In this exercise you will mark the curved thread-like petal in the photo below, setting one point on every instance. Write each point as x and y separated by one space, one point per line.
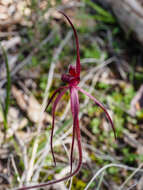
77 45
53 120
75 109
54 94
101 106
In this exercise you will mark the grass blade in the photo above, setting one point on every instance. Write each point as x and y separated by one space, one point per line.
103 15
8 88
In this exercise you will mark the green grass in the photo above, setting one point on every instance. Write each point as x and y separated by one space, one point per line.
6 105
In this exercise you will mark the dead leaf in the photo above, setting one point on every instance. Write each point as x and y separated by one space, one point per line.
30 105
140 184
20 98
130 138
137 102
15 121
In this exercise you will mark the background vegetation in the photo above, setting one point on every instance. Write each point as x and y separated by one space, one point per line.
39 46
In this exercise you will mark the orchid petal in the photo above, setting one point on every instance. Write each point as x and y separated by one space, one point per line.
54 94
72 147
74 101
101 106
77 128
75 111
72 70
53 122
77 45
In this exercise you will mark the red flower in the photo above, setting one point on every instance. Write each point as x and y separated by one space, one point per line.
72 79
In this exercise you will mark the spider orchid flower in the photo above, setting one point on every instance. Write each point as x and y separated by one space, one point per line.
72 79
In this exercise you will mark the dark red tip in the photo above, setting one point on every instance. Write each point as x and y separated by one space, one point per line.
77 44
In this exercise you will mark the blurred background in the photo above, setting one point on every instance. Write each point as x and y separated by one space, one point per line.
38 46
